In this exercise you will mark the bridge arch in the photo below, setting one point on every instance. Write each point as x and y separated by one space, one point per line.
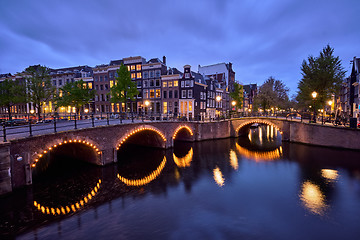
184 133
158 141
61 142
244 127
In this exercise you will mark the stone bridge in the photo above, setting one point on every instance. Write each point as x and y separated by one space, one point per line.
99 145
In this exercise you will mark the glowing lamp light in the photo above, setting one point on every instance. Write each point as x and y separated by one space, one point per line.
233 103
314 94
330 102
218 98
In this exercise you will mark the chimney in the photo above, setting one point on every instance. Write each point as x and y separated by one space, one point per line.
164 60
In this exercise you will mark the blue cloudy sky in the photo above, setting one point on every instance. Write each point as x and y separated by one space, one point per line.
261 38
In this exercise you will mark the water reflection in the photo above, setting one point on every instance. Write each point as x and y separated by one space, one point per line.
330 174
184 161
234 160
312 198
218 177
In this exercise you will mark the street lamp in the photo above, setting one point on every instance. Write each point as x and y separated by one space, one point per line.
147 103
330 104
314 95
233 103
218 99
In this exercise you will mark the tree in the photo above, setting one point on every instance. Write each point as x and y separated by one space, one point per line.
272 93
39 87
238 95
124 88
324 75
11 93
75 94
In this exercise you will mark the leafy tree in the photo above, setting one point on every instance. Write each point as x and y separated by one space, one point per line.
124 88
238 95
75 94
11 93
39 87
272 93
323 74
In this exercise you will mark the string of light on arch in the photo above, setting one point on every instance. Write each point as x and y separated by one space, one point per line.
62 210
61 143
260 122
181 127
139 130
144 180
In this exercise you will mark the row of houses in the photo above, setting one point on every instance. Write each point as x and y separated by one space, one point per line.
162 89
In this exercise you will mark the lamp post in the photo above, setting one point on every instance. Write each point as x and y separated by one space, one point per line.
314 95
218 99
233 103
147 103
330 104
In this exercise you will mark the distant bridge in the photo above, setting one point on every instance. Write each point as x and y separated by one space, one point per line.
99 145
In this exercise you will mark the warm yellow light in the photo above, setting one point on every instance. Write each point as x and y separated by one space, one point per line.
218 177
330 102
329 174
184 161
314 94
86 110
147 103
312 198
234 160
233 103
32 111
218 98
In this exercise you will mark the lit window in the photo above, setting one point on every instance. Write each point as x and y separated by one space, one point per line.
132 67
146 93
111 84
152 93
128 67
133 75
164 107
138 67
164 84
158 93
84 85
60 93
175 83
190 106
90 85
138 75
170 84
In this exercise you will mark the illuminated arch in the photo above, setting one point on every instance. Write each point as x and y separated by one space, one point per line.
259 121
139 129
52 147
144 180
184 161
182 127
260 156
73 207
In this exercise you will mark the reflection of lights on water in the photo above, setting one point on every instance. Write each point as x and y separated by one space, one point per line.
260 156
249 136
330 174
268 132
218 177
70 207
145 180
233 160
260 135
184 161
312 198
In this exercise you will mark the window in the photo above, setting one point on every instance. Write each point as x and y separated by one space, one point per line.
191 83
164 94
157 82
189 93
96 87
128 67
96 78
182 83
170 94
164 84
146 93
90 85
187 75
187 83
176 94
165 107
106 87
151 74
111 76
139 84
96 98
183 94
190 106
145 83
157 73
116 74
158 93
101 87
152 93
54 82
132 68
151 83
133 75
101 78
60 82
138 75
138 67
111 84
146 74
67 80
170 84
175 83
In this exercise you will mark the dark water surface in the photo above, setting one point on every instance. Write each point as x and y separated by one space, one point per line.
248 188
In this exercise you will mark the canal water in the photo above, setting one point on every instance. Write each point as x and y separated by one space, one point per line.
253 187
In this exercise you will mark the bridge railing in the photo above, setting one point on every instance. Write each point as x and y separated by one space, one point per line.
53 124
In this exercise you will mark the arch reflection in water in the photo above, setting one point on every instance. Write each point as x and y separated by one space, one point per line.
145 180
71 207
185 161
330 174
260 155
218 177
312 198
